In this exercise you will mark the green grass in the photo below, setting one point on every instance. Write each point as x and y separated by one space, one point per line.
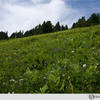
61 62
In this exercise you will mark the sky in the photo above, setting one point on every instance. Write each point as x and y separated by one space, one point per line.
23 15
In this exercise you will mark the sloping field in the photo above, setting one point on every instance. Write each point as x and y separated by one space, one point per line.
62 62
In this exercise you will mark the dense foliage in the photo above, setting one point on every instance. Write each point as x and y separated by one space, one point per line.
46 27
94 19
60 62
3 35
17 35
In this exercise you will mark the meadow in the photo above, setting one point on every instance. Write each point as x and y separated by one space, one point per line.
61 62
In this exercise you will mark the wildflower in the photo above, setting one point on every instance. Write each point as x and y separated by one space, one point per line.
73 51
12 80
53 64
21 80
34 65
44 77
63 75
84 65
98 65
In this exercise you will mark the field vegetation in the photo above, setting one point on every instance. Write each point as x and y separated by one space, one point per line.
61 62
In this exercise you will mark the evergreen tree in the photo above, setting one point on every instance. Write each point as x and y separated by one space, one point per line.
74 25
62 27
98 14
29 32
57 27
47 27
3 35
81 22
17 35
44 27
38 30
66 27
93 20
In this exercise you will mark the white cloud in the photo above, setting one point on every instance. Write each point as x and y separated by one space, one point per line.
38 1
26 17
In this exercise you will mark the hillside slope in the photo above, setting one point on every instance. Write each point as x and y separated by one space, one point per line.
62 62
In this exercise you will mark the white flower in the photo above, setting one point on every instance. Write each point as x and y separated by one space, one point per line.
44 77
12 80
35 66
84 65
4 83
73 51
21 80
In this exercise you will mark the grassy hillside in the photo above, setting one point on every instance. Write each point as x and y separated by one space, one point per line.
62 62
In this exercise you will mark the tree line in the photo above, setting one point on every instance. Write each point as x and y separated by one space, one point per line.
48 27
94 19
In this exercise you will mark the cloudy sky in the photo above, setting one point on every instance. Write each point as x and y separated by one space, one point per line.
18 15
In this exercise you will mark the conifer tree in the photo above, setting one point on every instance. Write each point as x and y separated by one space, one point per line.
57 27
3 35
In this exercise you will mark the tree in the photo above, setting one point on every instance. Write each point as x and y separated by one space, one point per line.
17 35
27 33
44 27
81 23
74 25
57 27
93 20
62 27
66 27
3 35
98 14
47 27
38 30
